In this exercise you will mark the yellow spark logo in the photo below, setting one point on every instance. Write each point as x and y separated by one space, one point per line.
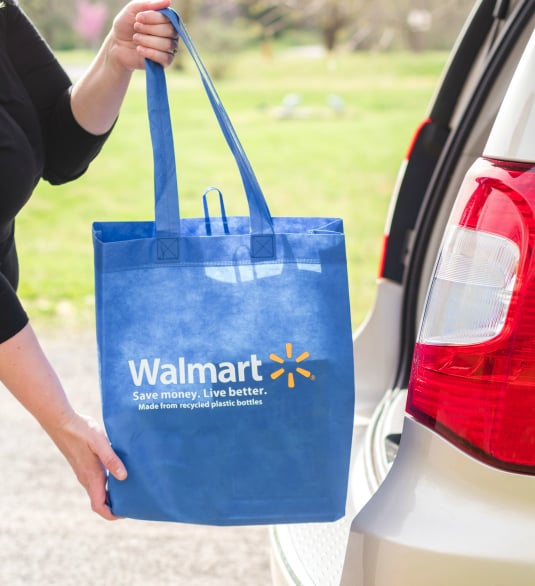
291 375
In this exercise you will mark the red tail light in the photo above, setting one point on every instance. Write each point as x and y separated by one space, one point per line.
473 377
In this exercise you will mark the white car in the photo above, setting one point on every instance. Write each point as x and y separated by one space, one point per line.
442 482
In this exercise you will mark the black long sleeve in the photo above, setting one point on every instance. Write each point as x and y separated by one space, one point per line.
39 138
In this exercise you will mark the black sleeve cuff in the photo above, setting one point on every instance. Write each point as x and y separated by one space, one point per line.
69 147
13 318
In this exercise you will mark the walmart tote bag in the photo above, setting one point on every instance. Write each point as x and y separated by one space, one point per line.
225 350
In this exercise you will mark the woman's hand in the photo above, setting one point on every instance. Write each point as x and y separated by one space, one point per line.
140 32
86 448
27 373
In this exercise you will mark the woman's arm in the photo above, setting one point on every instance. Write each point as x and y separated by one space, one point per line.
26 372
138 32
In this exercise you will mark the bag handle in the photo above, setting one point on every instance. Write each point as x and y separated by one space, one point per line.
165 177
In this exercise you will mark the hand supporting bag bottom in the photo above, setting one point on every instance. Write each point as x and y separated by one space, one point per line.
225 351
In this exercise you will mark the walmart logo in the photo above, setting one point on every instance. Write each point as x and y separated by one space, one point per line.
290 373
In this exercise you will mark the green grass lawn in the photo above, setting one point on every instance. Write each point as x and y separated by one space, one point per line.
318 162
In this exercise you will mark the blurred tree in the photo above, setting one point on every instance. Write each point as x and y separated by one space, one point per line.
218 31
332 17
57 20
377 24
184 8
272 16
90 21
414 24
53 18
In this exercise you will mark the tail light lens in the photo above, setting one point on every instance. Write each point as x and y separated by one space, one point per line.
473 375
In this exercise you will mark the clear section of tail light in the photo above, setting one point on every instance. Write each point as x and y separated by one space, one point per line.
471 289
473 376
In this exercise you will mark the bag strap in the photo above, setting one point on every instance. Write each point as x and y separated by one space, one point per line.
165 177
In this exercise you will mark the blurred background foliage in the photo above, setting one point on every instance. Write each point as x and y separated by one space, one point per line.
326 95
356 25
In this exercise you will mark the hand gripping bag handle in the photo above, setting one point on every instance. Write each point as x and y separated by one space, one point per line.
165 178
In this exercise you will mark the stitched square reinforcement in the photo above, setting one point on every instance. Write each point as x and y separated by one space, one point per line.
167 248
262 246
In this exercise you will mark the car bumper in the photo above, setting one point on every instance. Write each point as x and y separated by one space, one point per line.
442 517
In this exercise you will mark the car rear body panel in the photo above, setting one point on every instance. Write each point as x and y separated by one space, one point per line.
442 518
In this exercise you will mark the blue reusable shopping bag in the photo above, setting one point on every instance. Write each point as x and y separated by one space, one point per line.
225 351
